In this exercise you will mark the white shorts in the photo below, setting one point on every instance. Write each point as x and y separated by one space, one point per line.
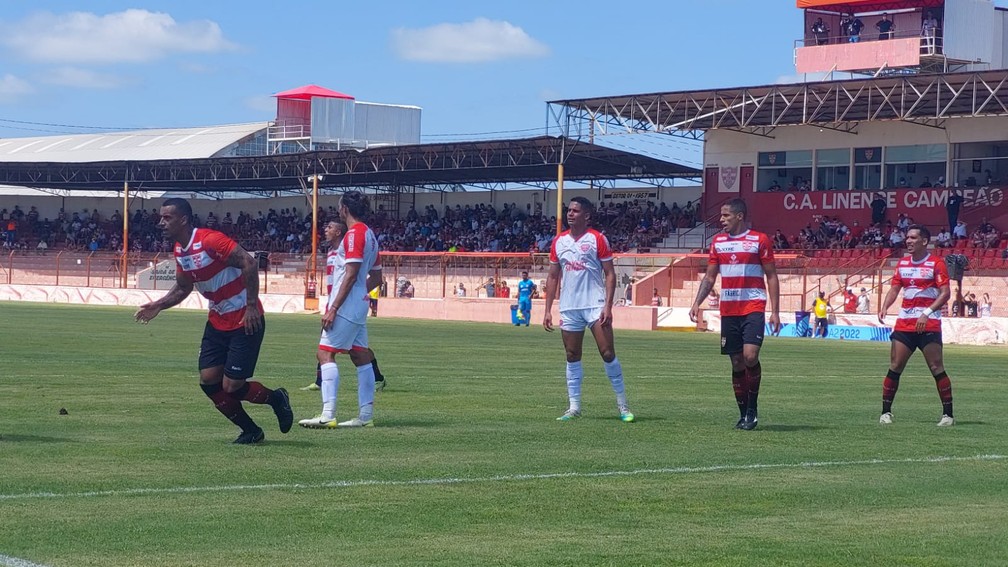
344 336
577 320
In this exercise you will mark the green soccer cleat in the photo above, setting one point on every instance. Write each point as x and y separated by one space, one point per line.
625 415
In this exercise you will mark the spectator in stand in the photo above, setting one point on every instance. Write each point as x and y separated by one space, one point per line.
970 305
655 298
952 206
878 208
780 241
929 31
863 303
884 27
943 239
959 232
985 306
896 238
850 302
926 183
460 291
503 291
490 288
821 33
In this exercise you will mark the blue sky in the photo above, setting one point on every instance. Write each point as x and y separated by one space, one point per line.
478 69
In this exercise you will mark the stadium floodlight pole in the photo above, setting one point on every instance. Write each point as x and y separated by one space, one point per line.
314 229
125 256
559 208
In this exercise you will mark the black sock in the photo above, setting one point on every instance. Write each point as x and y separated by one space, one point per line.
377 373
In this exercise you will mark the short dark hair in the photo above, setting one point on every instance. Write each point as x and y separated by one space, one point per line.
181 206
924 232
738 206
586 205
357 203
339 224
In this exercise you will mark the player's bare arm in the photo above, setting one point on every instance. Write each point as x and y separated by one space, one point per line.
890 298
944 293
349 277
552 281
609 275
706 285
374 278
773 293
177 294
241 259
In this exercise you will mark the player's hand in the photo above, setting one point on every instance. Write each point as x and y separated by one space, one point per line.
921 323
694 312
881 317
775 325
146 312
328 318
252 320
548 322
605 318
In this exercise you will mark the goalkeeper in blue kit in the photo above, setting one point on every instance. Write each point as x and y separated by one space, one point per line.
526 288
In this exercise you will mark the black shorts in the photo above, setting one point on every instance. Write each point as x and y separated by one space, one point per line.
915 340
234 350
742 330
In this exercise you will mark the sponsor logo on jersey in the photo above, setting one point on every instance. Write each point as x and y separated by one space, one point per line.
751 237
197 245
575 266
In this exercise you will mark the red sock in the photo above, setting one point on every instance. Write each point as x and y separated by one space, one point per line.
753 376
889 386
253 392
944 384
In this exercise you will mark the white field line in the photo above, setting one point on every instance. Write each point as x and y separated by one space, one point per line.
491 479
8 561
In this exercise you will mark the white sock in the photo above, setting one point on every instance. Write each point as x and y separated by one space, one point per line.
614 370
365 391
574 375
330 383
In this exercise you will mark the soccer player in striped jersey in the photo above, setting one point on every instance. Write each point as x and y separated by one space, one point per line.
924 280
228 277
581 258
744 258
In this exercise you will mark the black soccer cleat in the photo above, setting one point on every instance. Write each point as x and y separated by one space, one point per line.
250 437
282 408
749 423
738 424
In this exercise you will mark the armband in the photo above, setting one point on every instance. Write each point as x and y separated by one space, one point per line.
928 311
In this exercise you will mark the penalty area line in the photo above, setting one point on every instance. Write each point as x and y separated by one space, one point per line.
494 478
8 561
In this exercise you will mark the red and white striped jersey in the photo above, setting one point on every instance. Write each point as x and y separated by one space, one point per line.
358 245
921 282
740 260
204 259
582 285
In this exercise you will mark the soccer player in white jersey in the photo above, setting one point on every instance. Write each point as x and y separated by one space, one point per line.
924 280
744 258
228 277
353 267
581 258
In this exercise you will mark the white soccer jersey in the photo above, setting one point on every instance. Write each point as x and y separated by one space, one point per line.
358 245
582 285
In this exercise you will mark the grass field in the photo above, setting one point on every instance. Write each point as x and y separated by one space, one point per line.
467 465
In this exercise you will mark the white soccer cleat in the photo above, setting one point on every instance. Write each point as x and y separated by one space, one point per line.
356 422
885 419
318 422
946 421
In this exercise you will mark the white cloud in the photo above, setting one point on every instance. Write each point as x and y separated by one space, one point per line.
82 78
132 36
472 42
13 88
261 103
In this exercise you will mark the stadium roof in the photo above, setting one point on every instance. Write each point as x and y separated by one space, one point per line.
928 99
308 91
154 144
528 160
858 6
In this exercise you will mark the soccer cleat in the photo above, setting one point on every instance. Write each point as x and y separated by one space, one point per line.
282 408
625 415
885 419
569 415
250 437
379 385
313 387
356 422
738 424
946 421
318 422
750 421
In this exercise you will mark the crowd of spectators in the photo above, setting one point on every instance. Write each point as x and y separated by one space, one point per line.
481 228
832 233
